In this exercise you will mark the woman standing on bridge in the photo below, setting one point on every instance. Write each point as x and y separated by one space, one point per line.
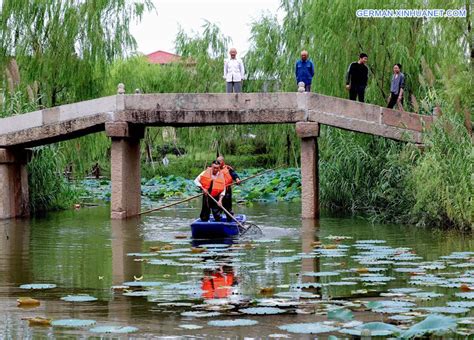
396 88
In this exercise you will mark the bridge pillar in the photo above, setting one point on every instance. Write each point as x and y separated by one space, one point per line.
309 132
125 168
14 199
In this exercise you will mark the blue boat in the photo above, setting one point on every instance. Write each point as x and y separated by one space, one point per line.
212 229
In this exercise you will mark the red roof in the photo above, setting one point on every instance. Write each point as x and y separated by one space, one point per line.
162 57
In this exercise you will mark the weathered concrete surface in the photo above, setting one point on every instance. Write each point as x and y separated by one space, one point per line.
125 171
124 130
309 132
14 200
406 120
58 123
211 109
185 109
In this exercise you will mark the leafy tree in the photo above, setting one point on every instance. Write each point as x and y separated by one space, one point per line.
63 48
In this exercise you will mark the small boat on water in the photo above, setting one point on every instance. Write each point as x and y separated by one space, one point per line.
212 229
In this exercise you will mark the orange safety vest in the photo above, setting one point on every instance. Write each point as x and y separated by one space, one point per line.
219 183
226 172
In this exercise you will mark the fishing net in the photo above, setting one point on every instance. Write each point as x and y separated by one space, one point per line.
251 230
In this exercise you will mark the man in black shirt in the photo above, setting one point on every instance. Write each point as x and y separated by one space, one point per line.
356 78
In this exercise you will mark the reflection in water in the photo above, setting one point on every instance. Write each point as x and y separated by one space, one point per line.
125 239
219 280
309 237
14 249
309 231
218 283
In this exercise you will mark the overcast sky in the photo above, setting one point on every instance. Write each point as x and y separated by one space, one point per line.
158 29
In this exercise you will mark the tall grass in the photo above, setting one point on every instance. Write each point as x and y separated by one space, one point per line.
442 180
49 190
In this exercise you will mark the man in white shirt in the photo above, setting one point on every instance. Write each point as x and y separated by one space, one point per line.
234 72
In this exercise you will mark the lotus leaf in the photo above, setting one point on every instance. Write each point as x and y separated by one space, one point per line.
308 328
232 323
72 323
433 324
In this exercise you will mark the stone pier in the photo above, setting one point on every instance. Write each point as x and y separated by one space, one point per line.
309 132
14 201
125 168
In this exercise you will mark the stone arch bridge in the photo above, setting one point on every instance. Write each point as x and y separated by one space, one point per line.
123 117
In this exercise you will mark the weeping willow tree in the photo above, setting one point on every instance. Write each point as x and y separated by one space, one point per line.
363 173
54 52
64 48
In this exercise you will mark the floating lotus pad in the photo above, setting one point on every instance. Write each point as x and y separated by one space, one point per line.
409 270
232 323
190 326
175 304
463 265
340 314
376 278
446 310
296 295
143 284
163 262
372 329
371 241
200 314
389 304
319 274
462 304
113 329
308 328
404 290
401 318
341 283
433 324
277 303
140 293
79 298
72 323
337 237
262 310
466 295
142 254
214 246
426 295
38 286
306 285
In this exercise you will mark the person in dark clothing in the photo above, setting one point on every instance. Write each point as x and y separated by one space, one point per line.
304 71
396 88
357 77
229 176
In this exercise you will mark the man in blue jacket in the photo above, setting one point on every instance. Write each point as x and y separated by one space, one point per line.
304 71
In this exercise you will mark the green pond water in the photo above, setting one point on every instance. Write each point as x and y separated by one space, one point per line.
299 269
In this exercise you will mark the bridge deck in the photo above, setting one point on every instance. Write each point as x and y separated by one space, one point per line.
184 109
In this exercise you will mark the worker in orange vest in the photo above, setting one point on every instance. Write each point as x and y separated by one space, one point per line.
230 176
212 182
